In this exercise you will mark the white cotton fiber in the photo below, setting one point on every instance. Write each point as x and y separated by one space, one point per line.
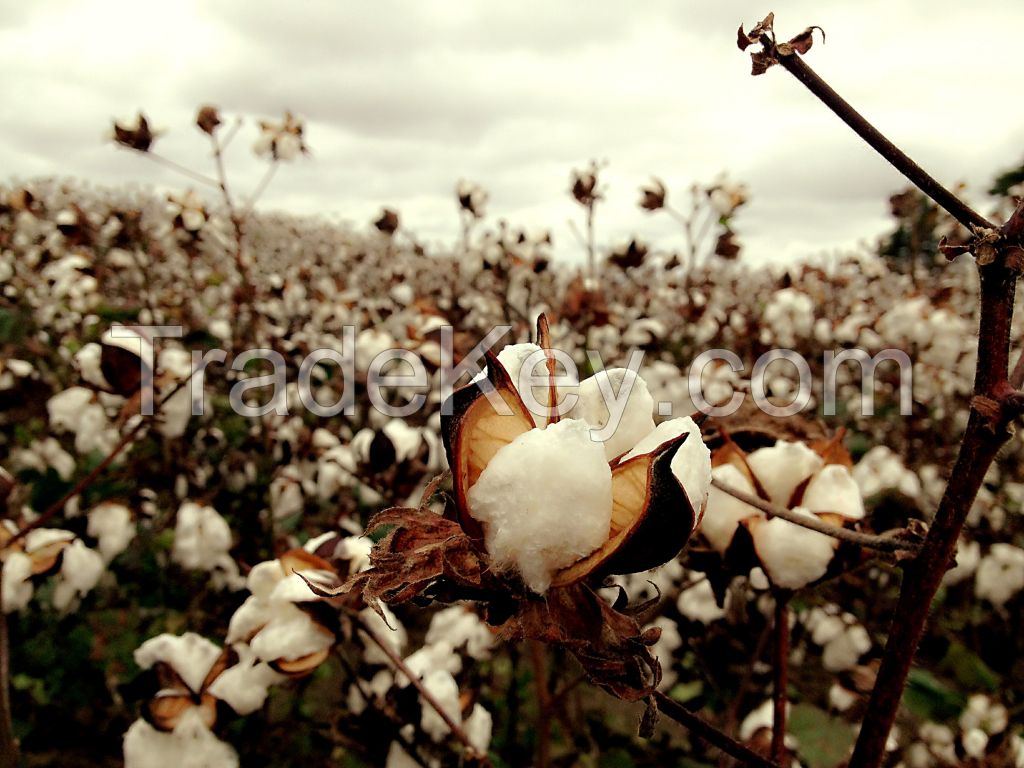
618 407
545 501
692 463
792 556
833 490
725 511
782 467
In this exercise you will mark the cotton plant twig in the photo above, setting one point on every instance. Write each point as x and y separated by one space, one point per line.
701 728
867 540
920 178
996 403
427 696
780 674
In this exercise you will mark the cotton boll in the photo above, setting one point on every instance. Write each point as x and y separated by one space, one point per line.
65 409
724 511
600 405
244 685
290 633
692 463
388 631
1000 574
434 656
782 467
844 651
834 490
840 699
201 537
445 691
975 741
190 744
190 655
792 556
80 571
698 603
17 587
461 627
478 727
545 501
112 525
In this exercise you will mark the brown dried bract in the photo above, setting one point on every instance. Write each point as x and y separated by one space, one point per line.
764 32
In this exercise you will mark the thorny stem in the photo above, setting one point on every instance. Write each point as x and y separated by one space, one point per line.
699 727
956 207
994 404
780 672
426 695
879 543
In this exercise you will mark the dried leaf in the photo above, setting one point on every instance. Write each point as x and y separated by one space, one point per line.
610 646
761 61
802 43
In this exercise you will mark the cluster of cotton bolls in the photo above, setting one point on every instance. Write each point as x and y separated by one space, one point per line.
980 736
76 566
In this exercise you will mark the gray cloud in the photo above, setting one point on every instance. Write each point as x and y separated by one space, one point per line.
403 99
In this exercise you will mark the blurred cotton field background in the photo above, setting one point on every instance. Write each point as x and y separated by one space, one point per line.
399 171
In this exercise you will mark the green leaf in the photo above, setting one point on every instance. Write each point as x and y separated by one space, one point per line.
968 669
825 741
930 699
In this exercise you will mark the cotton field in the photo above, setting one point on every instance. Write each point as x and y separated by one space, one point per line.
196 576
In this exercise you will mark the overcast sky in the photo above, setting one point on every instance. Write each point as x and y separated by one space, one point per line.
402 99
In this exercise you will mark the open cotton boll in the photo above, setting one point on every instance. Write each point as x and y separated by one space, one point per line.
17 588
446 693
459 626
80 571
190 655
692 463
111 524
792 556
478 727
780 468
290 634
244 685
724 511
618 407
201 537
833 489
388 630
190 744
545 501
